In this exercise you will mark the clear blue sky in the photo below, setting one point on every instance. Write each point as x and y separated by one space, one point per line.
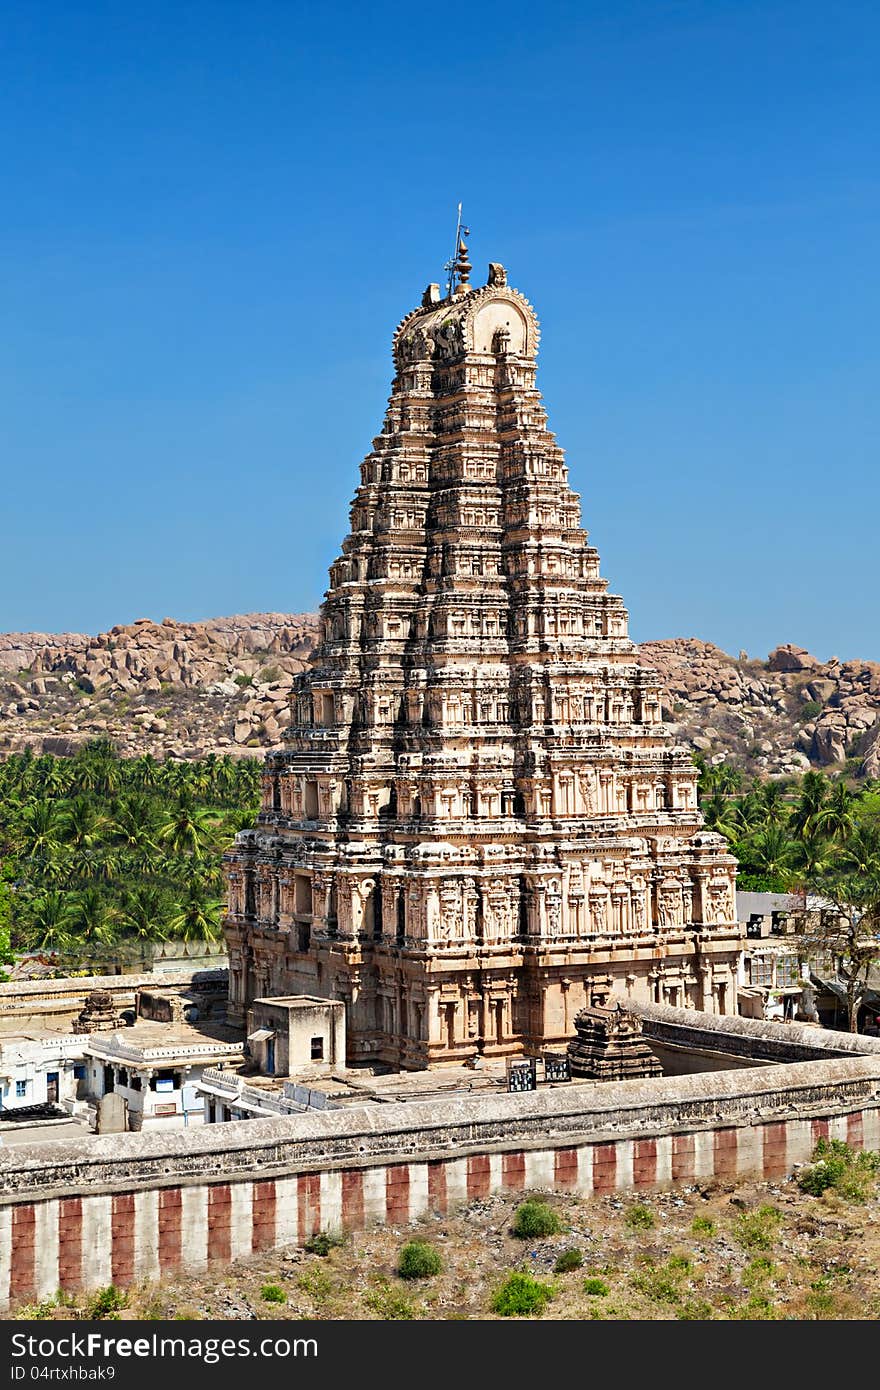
214 214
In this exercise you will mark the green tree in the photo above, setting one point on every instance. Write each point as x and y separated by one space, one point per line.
187 828
843 921
770 852
47 922
837 815
196 917
813 795
92 918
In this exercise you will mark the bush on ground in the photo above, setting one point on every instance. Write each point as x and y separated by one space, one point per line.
850 1173
521 1296
535 1219
418 1260
567 1261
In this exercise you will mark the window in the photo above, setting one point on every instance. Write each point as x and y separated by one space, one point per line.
20 1089
787 972
317 1049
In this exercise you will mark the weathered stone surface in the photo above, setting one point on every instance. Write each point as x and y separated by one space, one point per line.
791 658
610 1046
451 1127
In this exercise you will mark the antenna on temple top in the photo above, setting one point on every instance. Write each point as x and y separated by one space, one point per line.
458 268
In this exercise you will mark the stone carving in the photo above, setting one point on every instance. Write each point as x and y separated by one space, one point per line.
669 907
610 1047
720 906
469 736
554 914
98 1014
587 791
598 912
450 911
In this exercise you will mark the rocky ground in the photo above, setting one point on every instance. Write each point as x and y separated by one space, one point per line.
185 689
756 1251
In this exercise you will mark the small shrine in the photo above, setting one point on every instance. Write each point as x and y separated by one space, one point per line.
610 1047
98 1014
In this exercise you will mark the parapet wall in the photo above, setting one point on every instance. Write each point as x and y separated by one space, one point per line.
755 1040
56 1003
137 1206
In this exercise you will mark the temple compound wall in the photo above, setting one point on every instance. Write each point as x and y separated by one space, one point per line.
479 822
57 1003
137 1206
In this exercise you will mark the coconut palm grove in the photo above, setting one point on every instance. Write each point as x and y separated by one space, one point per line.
103 855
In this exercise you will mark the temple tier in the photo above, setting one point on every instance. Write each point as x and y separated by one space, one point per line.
479 823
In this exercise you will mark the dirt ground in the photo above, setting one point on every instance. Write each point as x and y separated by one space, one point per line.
756 1251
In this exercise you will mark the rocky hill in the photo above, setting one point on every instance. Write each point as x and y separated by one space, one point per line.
171 689
180 690
783 715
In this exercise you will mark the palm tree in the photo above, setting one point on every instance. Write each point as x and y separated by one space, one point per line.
226 776
187 828
96 767
81 824
837 816
772 796
197 917
145 772
751 810
47 923
91 918
38 830
728 778
720 814
770 852
811 856
144 912
859 854
134 821
57 777
814 790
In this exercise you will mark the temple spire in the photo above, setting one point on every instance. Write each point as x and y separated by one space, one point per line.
462 265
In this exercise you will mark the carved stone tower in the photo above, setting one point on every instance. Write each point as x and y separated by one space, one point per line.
479 823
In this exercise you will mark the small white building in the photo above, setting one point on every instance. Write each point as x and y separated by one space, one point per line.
297 1033
156 1069
42 1069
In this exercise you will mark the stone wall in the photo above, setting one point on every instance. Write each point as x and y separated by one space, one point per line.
140 1205
54 1004
687 1040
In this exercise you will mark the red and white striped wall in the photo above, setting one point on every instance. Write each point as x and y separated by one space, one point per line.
94 1239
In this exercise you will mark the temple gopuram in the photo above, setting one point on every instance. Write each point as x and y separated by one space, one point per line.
479 824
